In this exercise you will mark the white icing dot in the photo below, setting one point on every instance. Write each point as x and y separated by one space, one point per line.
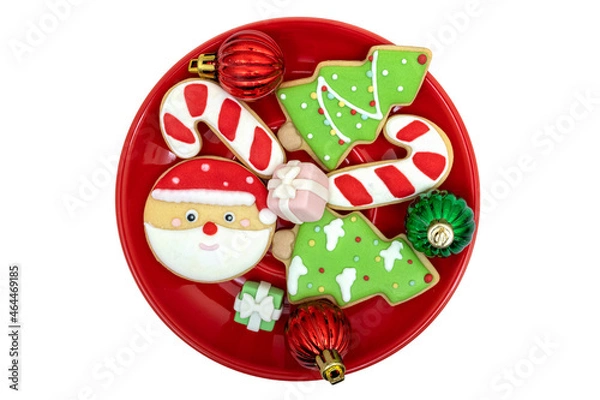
358 126
385 72
400 88
175 180
334 76
339 114
404 61
205 167
303 105
249 180
354 88
326 158
283 96
310 136
225 183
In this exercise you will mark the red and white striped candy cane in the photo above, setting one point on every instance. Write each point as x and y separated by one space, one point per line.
195 100
374 184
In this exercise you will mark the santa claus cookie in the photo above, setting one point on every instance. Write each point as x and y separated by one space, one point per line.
206 219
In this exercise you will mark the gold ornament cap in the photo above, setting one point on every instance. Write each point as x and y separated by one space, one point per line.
204 66
440 234
331 366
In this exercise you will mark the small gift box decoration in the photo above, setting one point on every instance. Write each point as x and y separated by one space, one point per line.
298 192
258 306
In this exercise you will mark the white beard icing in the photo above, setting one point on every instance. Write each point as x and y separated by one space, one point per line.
180 251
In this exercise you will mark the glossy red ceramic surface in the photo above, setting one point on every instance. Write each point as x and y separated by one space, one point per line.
202 314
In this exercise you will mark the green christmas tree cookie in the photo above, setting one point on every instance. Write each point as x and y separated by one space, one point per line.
346 259
345 102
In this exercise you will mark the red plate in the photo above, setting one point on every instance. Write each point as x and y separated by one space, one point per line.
202 314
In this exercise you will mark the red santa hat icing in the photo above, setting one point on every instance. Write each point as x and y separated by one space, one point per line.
214 181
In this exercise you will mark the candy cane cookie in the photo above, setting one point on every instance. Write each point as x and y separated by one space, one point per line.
198 100
379 183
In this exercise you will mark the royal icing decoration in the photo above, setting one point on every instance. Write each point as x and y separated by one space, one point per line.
207 220
258 306
298 192
374 184
347 259
345 103
198 100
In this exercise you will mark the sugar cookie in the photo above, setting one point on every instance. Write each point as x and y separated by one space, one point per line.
206 219
345 103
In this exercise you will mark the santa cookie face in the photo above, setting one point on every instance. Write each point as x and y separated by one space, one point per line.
206 220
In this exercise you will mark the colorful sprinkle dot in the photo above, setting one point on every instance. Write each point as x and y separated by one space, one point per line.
303 106
356 258
309 285
370 74
321 270
317 229
364 117
353 112
327 122
332 132
321 111
400 88
357 239
330 96
409 261
323 88
366 277
395 285
321 289
428 278
341 142
371 58
313 95
422 59
375 242
385 72
411 283
372 103
352 219
341 104
370 89
377 259
311 243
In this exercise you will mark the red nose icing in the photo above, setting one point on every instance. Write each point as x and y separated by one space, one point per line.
209 228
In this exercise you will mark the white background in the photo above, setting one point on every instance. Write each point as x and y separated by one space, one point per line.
526 80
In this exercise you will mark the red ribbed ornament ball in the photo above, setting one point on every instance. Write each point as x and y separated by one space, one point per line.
248 65
318 336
